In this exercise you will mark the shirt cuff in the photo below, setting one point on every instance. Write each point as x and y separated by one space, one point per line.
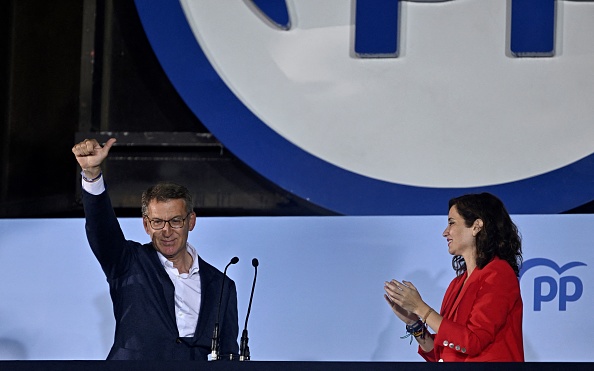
95 188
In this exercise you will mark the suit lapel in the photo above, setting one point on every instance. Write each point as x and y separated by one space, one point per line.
209 299
165 286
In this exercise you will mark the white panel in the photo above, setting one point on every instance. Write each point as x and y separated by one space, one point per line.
319 290
453 101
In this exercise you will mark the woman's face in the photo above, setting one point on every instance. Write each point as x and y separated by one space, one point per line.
461 239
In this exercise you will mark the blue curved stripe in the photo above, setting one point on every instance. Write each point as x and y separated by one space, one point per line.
309 177
537 262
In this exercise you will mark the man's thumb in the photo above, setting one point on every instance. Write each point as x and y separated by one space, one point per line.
109 143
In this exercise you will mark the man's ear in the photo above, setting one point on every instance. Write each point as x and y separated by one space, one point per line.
192 222
145 224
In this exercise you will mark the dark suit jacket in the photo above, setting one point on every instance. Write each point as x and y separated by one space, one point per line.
482 319
143 295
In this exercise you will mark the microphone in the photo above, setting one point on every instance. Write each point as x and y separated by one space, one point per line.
244 350
215 334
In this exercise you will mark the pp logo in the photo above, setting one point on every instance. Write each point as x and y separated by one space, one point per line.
547 288
297 91
377 25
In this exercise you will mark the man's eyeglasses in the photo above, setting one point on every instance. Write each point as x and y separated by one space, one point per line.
175 223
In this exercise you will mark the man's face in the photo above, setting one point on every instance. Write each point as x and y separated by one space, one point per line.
171 242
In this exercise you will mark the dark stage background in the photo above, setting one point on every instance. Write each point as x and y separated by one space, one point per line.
84 69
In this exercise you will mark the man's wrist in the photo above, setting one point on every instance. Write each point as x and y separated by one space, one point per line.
91 172
91 177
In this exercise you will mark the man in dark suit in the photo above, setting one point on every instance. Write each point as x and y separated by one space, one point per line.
165 297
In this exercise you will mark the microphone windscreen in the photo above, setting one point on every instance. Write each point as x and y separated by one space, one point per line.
234 260
255 262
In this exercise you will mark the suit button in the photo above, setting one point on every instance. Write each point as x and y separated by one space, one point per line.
458 347
440 360
445 343
463 350
451 345
178 340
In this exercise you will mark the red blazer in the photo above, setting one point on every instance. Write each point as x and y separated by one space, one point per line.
482 319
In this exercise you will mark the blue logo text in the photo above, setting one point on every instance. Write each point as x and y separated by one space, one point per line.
547 288
531 25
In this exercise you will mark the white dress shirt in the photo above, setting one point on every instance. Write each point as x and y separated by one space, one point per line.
187 293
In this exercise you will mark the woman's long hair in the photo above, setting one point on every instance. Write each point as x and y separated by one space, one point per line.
499 235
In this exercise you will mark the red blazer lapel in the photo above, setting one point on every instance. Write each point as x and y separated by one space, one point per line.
465 287
456 293
450 296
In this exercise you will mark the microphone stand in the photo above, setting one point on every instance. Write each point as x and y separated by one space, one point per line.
244 349
214 348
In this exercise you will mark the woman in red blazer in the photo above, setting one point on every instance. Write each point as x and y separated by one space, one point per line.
481 314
